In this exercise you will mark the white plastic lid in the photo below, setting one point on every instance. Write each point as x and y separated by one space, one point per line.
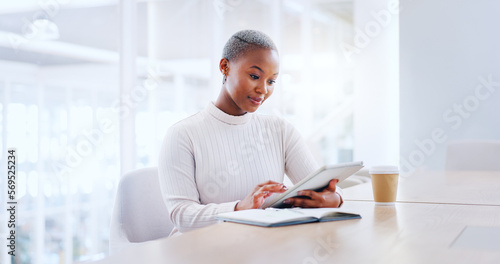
384 170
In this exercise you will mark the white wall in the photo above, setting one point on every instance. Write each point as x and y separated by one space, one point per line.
376 82
449 77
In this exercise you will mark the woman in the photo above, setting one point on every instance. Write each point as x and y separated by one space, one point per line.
225 158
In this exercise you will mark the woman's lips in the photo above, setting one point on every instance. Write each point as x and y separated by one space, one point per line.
256 100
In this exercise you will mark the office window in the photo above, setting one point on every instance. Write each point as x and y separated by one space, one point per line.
60 91
59 80
315 87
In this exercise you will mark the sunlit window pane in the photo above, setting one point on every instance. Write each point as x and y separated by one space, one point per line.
64 107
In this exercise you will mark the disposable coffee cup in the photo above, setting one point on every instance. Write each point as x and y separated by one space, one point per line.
384 184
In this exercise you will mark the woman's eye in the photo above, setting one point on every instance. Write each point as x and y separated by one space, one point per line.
255 77
271 82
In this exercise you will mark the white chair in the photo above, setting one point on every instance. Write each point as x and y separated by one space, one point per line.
359 177
139 213
473 155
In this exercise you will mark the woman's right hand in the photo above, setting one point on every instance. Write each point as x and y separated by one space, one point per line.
255 199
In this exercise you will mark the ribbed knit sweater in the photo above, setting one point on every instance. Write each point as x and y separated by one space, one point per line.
211 160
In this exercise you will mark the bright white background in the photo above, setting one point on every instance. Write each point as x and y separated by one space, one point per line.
89 95
88 89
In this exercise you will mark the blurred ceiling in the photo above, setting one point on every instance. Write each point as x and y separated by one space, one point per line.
89 30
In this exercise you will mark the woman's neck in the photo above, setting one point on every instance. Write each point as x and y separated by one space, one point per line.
225 103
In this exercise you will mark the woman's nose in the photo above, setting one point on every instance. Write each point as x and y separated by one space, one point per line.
263 89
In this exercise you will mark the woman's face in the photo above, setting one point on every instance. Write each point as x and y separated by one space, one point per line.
250 80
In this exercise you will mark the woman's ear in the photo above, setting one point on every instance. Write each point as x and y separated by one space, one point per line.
224 66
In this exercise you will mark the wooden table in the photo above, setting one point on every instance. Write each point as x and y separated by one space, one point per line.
424 226
404 233
450 187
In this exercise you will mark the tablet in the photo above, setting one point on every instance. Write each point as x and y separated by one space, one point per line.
315 181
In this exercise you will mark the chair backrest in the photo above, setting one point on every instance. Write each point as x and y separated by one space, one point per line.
139 213
473 155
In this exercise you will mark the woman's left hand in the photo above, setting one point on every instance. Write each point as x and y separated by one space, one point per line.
325 198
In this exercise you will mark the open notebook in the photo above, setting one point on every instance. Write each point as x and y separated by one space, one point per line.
281 217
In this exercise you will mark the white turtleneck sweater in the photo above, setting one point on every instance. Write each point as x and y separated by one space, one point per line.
211 160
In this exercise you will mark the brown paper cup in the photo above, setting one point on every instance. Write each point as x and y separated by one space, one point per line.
384 184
